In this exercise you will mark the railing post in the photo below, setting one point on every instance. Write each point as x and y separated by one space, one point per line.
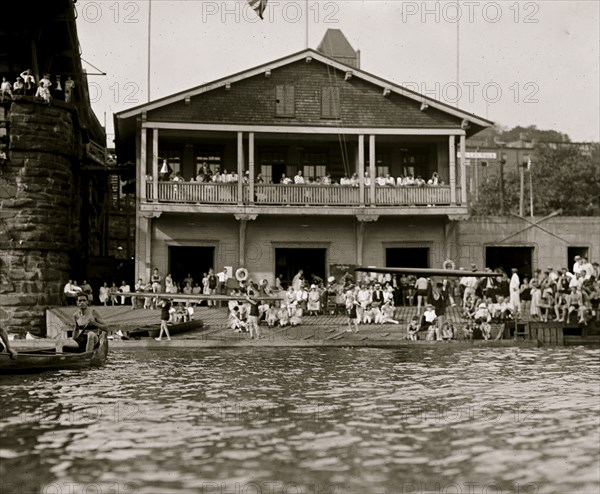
240 167
452 165
143 165
251 167
361 169
463 172
372 169
155 165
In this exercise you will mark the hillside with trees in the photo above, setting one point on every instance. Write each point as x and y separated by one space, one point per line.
564 176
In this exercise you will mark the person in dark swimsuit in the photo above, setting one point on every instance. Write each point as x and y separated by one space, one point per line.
88 324
5 344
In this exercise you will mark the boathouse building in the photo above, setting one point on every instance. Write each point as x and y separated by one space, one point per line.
308 112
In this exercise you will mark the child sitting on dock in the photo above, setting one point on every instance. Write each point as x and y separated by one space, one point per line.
296 318
429 323
386 314
447 332
235 320
271 315
412 330
283 316
368 315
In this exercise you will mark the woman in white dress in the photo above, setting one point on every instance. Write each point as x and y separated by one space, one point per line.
104 294
536 300
169 286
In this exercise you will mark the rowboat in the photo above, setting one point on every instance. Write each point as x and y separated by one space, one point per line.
154 329
49 359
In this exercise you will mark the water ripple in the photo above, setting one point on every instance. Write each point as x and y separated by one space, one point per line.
322 420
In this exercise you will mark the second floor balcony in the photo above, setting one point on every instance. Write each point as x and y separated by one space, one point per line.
191 196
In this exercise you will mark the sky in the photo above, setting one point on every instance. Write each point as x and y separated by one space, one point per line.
515 63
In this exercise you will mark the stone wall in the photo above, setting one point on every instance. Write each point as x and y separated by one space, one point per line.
39 211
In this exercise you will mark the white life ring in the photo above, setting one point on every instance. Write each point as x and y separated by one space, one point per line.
449 264
241 274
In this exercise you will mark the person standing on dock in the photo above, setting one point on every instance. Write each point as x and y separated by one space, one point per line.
165 314
515 293
253 315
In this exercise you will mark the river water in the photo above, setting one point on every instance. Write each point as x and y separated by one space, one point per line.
313 421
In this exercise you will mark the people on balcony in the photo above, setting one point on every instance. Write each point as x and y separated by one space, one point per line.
383 180
434 180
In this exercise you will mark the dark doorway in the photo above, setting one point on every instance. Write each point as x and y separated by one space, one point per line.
277 171
407 257
289 261
571 253
508 258
193 260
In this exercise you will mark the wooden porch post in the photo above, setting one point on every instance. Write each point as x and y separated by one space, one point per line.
463 171
452 164
243 223
362 219
372 168
148 240
240 167
361 169
251 167
155 165
143 166
360 236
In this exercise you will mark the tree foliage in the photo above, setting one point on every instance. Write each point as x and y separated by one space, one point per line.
529 133
563 178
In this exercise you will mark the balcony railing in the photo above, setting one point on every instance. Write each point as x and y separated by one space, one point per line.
298 195
195 192
407 196
317 195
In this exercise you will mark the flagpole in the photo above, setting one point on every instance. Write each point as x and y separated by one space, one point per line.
530 194
149 38
457 61
306 33
522 191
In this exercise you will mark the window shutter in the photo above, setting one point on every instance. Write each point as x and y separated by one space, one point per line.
289 100
279 100
330 102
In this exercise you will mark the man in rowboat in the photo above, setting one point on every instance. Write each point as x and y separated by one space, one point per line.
87 323
5 344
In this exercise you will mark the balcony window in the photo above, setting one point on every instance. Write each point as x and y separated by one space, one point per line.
172 157
213 157
272 164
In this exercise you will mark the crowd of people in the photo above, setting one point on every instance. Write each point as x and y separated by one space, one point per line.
26 84
551 295
207 174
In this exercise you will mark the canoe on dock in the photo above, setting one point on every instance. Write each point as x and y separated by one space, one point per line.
45 359
154 329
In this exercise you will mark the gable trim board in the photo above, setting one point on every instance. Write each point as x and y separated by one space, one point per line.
302 130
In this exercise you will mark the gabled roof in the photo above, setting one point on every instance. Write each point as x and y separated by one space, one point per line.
125 121
319 57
